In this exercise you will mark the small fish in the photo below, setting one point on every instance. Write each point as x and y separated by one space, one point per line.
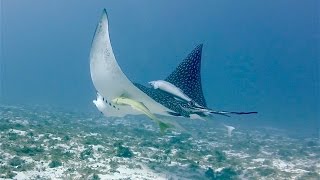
176 92
230 129
139 106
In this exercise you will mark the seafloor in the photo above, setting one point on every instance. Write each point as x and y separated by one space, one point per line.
42 143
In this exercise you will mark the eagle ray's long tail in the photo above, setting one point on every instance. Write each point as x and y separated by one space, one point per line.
225 113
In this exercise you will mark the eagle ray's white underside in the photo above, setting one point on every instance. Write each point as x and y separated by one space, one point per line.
110 81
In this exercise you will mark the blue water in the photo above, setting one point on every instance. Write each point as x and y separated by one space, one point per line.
257 56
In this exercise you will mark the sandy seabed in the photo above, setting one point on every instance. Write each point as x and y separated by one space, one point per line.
42 143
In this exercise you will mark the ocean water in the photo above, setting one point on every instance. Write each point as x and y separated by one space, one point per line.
257 56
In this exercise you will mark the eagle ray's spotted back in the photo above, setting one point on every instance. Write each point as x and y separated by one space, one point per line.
187 76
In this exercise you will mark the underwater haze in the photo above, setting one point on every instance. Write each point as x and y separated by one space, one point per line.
257 56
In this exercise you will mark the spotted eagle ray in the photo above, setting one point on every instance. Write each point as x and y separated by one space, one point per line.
110 82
